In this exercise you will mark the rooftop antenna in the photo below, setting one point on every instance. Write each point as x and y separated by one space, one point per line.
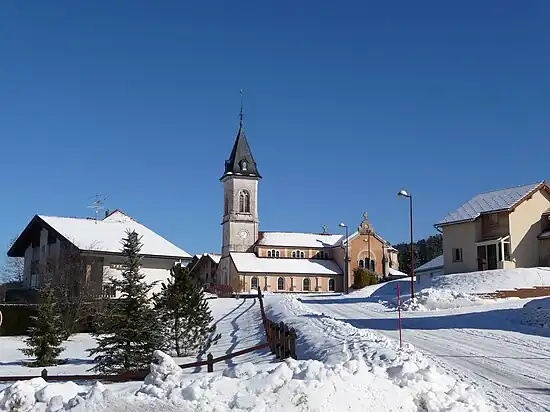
97 205
241 114
325 229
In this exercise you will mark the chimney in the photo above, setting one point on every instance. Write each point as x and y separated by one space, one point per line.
106 213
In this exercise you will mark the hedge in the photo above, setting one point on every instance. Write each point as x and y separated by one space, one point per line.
17 319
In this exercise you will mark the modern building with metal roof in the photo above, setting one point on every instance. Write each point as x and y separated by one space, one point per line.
500 229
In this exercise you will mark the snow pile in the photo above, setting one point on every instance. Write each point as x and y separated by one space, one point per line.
439 299
289 386
537 313
491 280
335 342
23 395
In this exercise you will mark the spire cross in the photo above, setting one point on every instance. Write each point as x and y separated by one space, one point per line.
241 114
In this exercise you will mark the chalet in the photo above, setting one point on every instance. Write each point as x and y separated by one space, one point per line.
49 245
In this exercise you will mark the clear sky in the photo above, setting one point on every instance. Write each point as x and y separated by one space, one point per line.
345 104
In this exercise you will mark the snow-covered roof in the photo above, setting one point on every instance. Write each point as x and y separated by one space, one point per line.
396 273
106 235
435 263
294 239
214 256
249 262
494 201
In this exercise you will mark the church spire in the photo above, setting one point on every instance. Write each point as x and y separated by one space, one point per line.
241 114
241 162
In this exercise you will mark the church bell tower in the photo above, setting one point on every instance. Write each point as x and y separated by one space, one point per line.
240 199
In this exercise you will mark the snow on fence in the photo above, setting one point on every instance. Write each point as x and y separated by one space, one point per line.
281 340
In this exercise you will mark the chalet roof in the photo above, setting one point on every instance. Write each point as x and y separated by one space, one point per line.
297 239
102 235
249 262
497 200
241 162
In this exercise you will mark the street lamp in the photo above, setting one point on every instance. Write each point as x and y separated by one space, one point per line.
346 275
404 193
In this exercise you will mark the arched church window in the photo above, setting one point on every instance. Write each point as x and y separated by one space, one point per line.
280 284
302 255
293 253
277 254
373 265
269 253
244 201
331 285
225 206
254 283
361 263
306 284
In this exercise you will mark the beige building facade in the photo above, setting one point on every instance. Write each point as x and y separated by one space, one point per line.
287 261
502 229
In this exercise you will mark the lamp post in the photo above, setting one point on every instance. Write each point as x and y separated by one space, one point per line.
346 275
404 193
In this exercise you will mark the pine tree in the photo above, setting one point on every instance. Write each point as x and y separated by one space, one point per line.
46 334
128 331
185 315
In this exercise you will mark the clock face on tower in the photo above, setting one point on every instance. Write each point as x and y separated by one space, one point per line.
243 234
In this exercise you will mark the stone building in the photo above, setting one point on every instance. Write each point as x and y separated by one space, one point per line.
286 261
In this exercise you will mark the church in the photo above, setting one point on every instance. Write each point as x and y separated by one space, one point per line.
287 261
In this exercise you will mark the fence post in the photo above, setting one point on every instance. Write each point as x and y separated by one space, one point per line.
292 343
287 342
44 374
272 336
210 364
277 340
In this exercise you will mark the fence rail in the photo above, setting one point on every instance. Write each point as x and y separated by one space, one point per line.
280 339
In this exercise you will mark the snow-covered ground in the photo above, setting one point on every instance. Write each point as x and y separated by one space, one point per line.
238 321
489 344
459 354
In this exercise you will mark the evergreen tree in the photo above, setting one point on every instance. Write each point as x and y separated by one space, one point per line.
185 314
46 334
128 332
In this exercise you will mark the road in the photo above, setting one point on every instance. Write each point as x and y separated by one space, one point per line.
485 345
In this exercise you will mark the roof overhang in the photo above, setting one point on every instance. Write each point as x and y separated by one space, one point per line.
504 239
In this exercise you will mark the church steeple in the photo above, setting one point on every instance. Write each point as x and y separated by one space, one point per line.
241 162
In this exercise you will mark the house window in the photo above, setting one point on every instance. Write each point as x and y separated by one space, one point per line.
306 284
281 284
109 290
277 254
269 253
457 255
302 255
361 263
331 285
506 252
244 201
254 283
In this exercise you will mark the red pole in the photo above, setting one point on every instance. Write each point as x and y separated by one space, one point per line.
399 312
412 246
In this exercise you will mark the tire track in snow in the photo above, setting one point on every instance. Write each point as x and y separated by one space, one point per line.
518 384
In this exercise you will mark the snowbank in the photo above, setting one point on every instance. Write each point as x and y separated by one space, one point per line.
537 313
289 386
491 280
335 342
440 299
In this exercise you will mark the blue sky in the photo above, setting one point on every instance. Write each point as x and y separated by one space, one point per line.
345 104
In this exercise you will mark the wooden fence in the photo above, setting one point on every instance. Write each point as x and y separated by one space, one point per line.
280 339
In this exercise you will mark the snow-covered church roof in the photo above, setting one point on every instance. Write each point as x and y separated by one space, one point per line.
293 239
249 262
106 235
